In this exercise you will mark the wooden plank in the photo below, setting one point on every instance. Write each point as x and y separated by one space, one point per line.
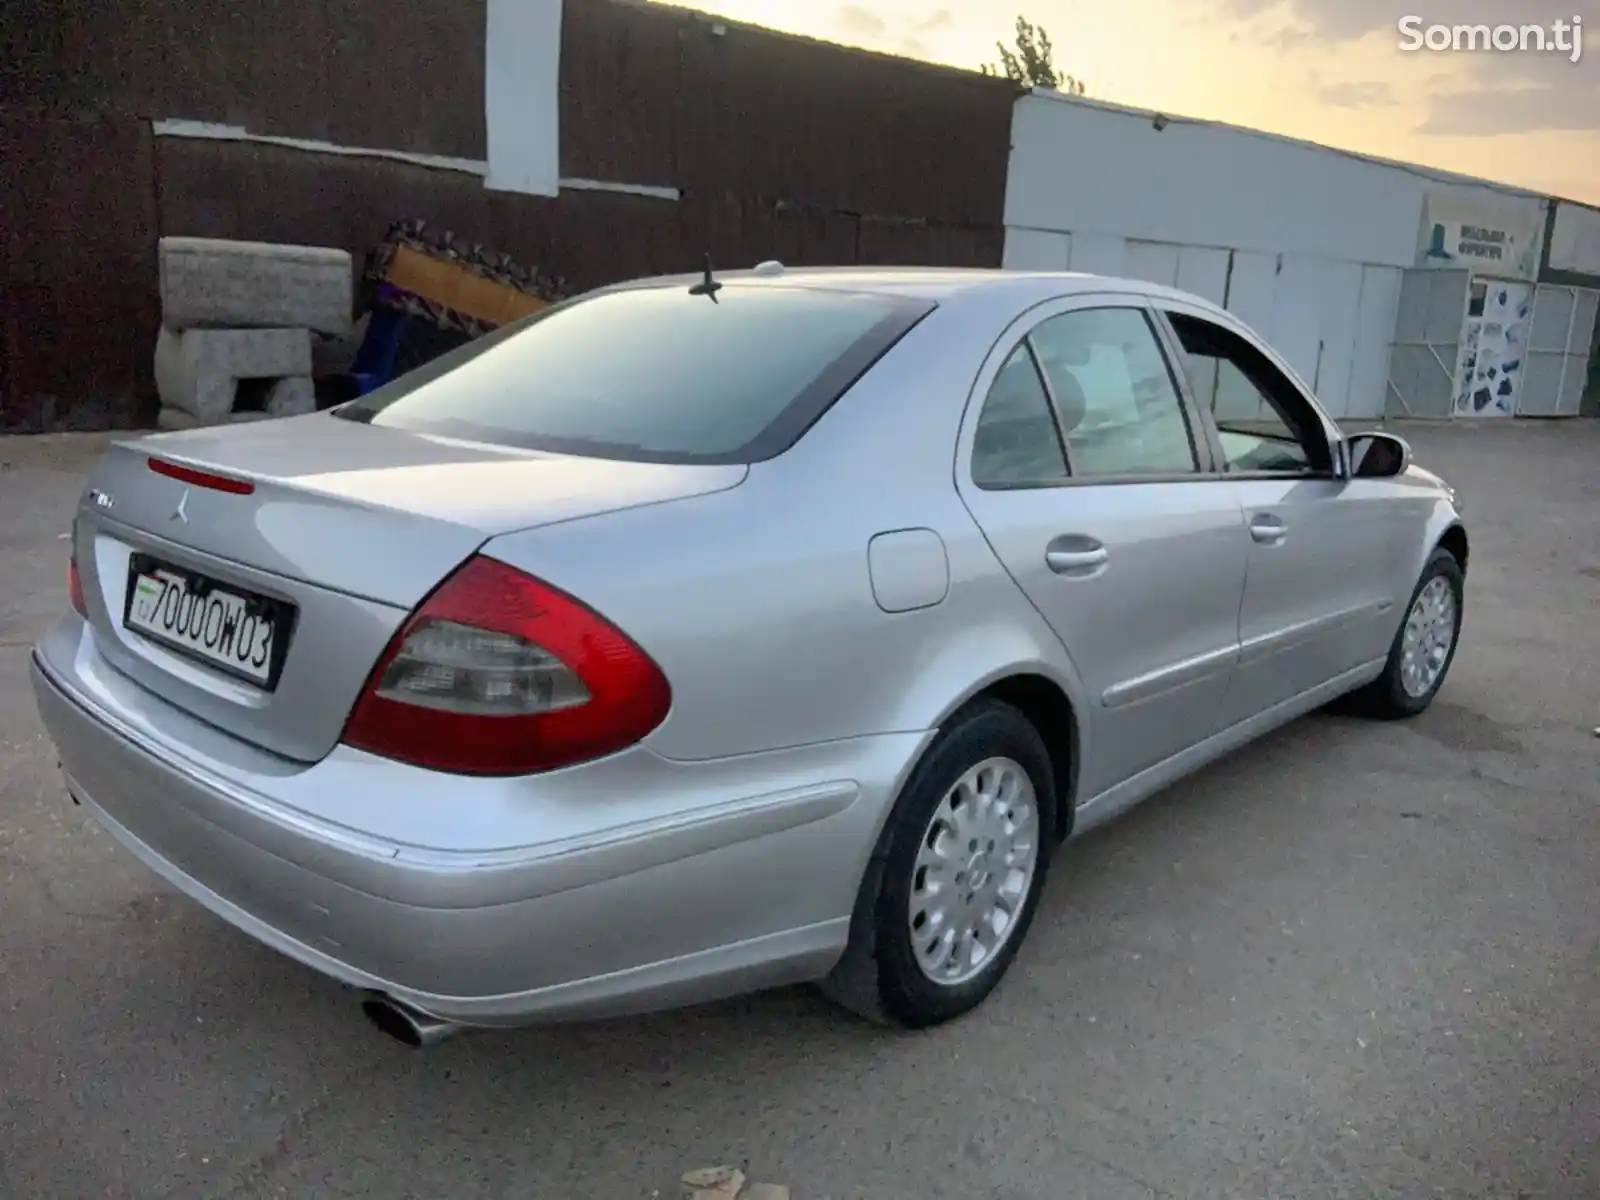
459 289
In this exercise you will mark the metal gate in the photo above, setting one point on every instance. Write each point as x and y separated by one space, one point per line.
1427 342
1559 341
1425 361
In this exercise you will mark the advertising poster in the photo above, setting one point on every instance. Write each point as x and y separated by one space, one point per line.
1493 348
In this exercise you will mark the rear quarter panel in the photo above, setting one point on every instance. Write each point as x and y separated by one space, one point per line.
758 602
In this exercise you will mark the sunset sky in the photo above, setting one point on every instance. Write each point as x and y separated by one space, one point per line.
1330 71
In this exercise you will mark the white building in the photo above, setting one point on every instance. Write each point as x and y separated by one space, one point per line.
1392 289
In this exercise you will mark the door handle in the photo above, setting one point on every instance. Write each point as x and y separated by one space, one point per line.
1269 531
1063 562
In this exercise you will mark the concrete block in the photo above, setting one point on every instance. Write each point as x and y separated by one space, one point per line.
292 397
209 283
198 370
171 420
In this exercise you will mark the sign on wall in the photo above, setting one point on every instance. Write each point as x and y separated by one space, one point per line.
1494 239
1575 240
522 96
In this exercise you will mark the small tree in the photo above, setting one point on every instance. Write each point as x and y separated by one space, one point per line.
1033 61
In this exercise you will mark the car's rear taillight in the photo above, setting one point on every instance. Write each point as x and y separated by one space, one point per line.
75 586
498 673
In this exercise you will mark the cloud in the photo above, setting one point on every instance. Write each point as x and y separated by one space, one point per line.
1285 39
904 33
859 22
1351 94
1497 111
1513 95
1500 93
1496 93
1288 39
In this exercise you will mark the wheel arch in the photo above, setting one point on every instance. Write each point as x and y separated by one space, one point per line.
1049 707
1454 539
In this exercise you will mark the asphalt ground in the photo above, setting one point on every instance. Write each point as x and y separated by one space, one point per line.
1354 960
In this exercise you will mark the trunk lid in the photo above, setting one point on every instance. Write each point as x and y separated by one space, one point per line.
346 529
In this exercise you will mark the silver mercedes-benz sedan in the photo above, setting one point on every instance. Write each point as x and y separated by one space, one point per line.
704 635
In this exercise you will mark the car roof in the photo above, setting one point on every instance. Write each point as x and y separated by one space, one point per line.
940 283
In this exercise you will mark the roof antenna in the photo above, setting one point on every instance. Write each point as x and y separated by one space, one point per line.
707 286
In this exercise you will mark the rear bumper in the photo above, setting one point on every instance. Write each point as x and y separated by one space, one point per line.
700 902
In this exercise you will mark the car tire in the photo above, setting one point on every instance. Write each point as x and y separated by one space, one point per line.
1394 695
881 976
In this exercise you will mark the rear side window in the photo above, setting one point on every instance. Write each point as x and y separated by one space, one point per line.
1016 442
653 374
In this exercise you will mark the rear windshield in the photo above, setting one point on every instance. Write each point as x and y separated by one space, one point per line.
653 374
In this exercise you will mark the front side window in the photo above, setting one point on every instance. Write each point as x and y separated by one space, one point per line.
1261 421
653 374
1121 409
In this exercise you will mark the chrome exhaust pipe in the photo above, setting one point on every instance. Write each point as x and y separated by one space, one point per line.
406 1024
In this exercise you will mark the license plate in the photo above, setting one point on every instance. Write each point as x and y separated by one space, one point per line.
232 630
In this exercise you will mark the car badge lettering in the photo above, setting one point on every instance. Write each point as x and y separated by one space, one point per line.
100 499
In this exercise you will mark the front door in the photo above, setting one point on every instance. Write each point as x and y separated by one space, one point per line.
1317 597
1085 474
1323 551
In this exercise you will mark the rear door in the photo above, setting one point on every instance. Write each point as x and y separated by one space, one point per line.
1084 467
1323 551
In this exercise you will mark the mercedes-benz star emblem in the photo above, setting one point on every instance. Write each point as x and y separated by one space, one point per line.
181 513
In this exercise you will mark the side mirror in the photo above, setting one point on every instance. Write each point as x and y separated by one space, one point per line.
1375 456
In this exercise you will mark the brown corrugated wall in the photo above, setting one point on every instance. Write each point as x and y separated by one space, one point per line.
780 148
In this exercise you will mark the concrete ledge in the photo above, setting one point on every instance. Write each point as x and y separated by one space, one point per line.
211 283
